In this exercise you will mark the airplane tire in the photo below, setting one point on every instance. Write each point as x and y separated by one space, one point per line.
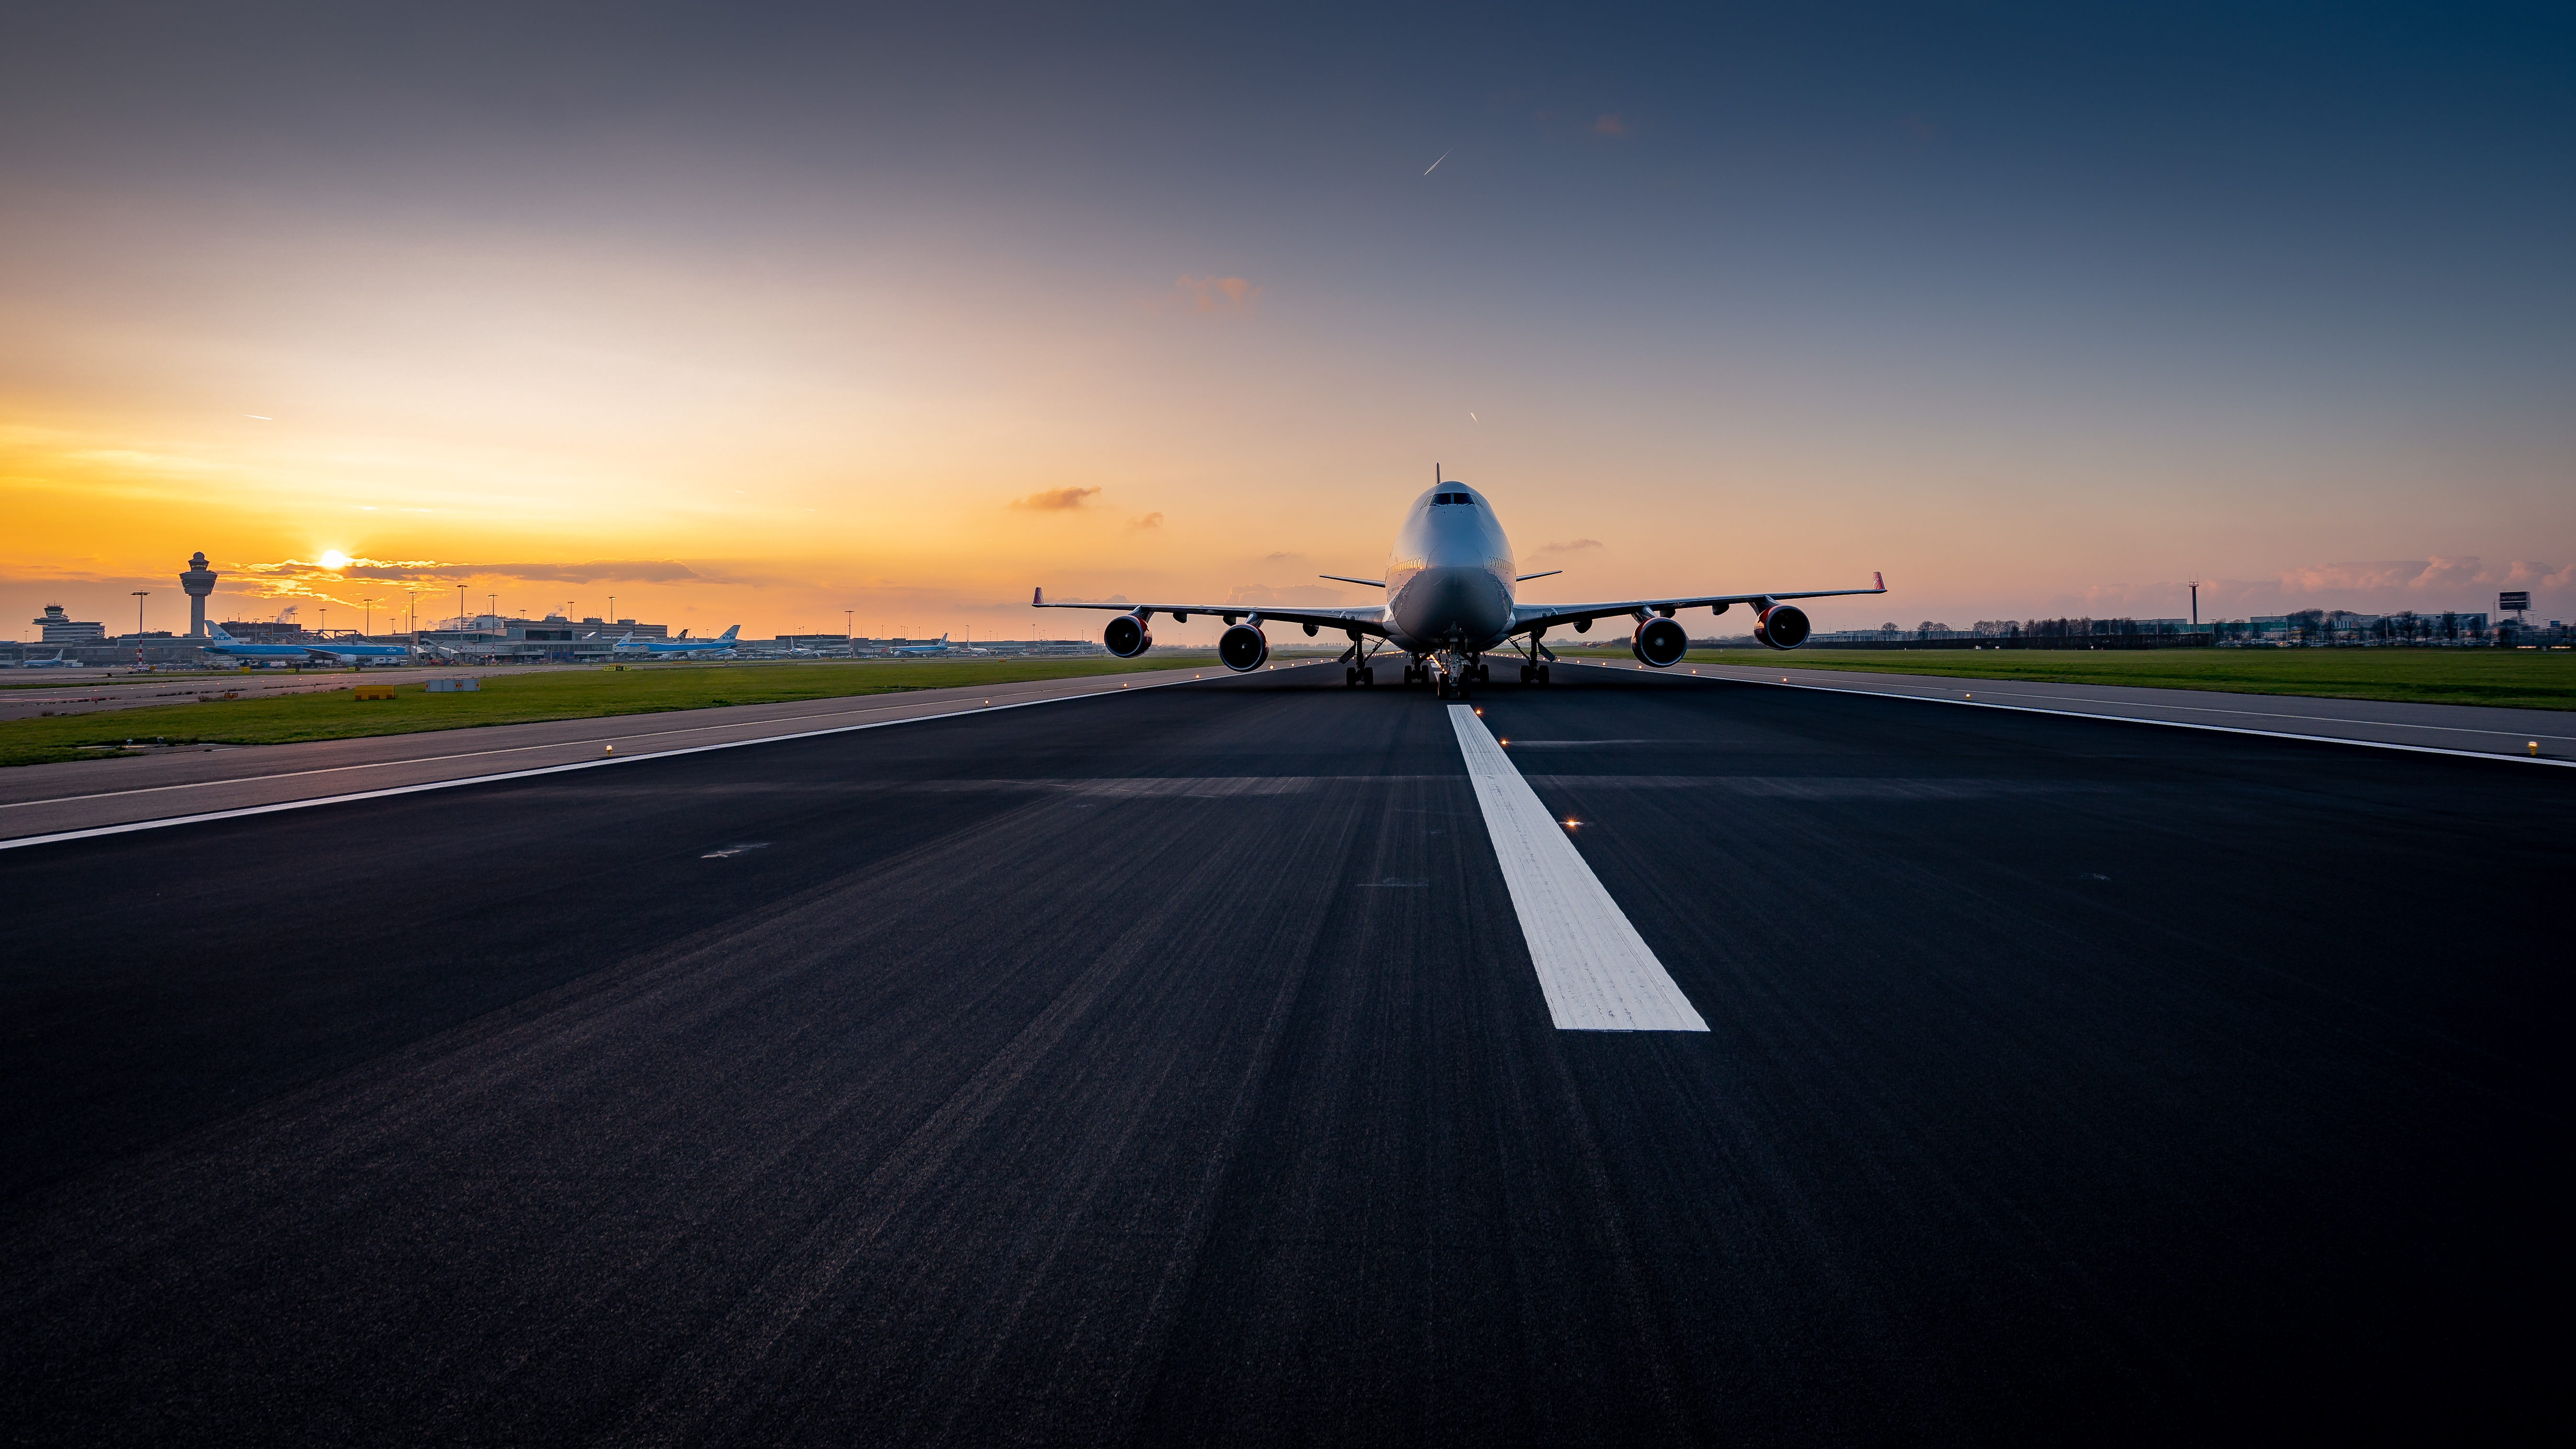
1542 674
1368 678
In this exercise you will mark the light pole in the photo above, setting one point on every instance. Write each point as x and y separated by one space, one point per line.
139 596
324 629
2195 603
368 624
612 608
849 645
460 608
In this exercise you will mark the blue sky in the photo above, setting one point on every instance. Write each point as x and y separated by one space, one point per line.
2038 311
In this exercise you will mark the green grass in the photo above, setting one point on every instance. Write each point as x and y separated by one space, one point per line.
2526 679
571 693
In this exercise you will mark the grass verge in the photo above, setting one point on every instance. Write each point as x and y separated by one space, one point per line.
572 693
2523 679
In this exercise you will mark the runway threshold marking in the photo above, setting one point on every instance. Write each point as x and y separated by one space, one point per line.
603 762
1597 972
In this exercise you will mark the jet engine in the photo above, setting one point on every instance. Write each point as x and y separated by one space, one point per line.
1242 648
1781 627
1127 636
1660 642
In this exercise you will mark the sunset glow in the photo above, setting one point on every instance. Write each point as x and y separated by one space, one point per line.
1688 323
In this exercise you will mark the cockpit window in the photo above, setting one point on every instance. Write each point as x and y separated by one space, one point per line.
1439 498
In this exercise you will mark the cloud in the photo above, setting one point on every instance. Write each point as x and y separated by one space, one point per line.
1577 546
1055 500
1216 296
598 571
1150 520
1264 596
651 571
1610 124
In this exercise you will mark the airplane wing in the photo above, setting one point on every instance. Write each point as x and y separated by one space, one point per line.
1540 616
1368 619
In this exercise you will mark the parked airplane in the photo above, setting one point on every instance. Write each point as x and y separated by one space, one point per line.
57 662
1450 600
936 646
722 643
220 642
349 653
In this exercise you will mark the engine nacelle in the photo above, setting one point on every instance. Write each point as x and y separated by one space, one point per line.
1127 636
1660 642
1781 627
1242 648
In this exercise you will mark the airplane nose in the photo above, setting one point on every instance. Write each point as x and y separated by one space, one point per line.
1467 601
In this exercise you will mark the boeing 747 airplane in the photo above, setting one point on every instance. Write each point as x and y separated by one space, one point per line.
1451 599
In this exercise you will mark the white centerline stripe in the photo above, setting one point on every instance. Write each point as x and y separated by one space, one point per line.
1597 972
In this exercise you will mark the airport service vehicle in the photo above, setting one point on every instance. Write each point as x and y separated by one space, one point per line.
219 642
722 644
1451 599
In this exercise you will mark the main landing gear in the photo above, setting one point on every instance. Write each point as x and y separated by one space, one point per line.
1359 675
1533 674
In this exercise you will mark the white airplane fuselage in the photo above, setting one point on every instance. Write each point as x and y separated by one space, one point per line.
1449 583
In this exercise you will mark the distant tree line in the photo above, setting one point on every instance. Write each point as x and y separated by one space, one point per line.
2073 628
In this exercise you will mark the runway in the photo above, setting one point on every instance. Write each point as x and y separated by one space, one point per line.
38 803
1176 1067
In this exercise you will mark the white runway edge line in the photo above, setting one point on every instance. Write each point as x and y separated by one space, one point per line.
2171 724
1597 971
598 764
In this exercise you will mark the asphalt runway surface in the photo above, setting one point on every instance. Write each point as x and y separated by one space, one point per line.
1172 1068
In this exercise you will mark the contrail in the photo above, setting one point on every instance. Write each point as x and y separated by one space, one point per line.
271 420
1434 166
1471 417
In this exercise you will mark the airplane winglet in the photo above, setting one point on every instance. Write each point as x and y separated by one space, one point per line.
1037 600
1879 579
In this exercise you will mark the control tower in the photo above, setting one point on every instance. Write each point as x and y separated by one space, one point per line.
199 581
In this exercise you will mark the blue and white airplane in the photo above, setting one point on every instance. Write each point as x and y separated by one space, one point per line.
358 653
219 642
684 645
1451 599
57 662
936 646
